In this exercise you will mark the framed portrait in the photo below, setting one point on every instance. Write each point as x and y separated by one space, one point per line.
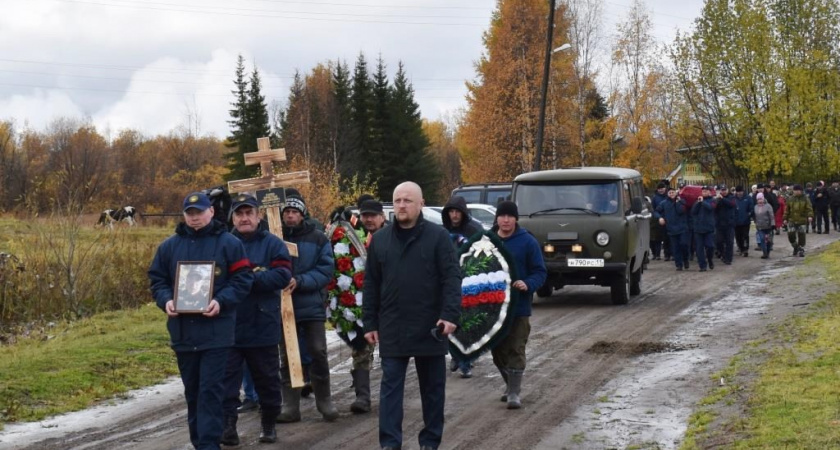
194 286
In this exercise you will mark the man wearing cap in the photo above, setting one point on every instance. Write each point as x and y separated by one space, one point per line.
725 215
201 341
257 320
821 205
744 217
659 237
412 301
312 270
373 219
509 354
671 214
797 216
703 216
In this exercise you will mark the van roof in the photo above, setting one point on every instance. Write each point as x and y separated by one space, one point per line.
579 174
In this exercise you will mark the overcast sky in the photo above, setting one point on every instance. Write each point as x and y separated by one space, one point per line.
148 64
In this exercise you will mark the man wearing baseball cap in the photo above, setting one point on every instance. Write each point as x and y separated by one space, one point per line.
202 341
703 215
257 320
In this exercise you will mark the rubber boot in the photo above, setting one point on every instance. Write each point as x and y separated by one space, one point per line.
306 390
514 385
230 436
504 377
361 383
323 399
290 411
268 433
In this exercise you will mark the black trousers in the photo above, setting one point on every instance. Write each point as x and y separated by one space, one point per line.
822 218
835 209
203 375
315 342
431 375
264 364
742 237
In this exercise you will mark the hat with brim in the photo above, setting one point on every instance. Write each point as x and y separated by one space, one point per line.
197 200
244 200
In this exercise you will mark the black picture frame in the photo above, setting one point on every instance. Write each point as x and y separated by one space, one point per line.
194 286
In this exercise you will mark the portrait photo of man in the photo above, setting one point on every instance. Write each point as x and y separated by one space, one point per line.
195 285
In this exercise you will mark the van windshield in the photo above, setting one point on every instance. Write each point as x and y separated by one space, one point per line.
600 198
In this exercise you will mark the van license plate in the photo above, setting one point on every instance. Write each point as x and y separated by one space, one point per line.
588 262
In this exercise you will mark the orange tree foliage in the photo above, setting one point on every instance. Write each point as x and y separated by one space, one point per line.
497 136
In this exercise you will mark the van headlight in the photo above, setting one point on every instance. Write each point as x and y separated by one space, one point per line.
602 238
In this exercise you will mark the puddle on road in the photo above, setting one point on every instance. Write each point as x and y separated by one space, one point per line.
648 404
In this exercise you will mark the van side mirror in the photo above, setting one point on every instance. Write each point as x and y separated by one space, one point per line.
636 205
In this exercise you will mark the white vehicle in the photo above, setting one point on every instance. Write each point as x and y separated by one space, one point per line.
485 214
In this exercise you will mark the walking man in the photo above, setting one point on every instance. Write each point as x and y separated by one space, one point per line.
798 214
671 214
764 222
312 270
412 301
201 341
834 204
703 215
725 216
509 354
257 320
821 205
744 216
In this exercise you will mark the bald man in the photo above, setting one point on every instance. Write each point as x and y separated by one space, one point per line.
412 302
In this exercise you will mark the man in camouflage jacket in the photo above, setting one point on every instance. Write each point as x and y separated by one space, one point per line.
798 214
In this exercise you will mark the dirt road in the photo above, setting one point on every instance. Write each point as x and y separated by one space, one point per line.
599 376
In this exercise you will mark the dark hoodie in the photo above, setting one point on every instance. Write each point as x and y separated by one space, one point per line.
466 229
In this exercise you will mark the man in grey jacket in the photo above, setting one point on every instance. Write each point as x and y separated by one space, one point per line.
412 293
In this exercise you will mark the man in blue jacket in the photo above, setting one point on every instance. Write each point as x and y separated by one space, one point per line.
201 341
412 301
671 214
257 320
703 216
509 355
725 216
312 270
745 216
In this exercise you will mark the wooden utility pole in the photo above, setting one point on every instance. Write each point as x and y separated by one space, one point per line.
269 190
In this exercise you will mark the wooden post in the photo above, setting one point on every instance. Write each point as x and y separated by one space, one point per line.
271 196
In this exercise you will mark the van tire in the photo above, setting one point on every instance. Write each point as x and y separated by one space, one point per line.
636 282
620 287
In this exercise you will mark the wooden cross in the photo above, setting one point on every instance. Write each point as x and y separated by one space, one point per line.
269 189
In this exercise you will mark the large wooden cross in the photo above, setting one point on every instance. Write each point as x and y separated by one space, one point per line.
263 186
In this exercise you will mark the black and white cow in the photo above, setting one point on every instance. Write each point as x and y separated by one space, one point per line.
111 216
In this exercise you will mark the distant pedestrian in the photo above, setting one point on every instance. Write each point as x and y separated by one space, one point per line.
821 205
780 213
726 214
809 194
744 217
834 204
797 216
703 217
672 215
764 220
658 233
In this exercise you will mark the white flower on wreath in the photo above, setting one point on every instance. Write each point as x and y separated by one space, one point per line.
360 323
341 248
344 282
358 264
333 303
348 314
358 299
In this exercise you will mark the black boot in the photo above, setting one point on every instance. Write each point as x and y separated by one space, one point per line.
230 437
504 377
361 383
306 390
323 399
268 433
514 385
290 411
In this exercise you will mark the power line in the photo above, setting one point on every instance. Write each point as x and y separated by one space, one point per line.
276 16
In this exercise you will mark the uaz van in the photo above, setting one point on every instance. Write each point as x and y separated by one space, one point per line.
592 224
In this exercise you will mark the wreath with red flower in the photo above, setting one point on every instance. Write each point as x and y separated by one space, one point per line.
344 292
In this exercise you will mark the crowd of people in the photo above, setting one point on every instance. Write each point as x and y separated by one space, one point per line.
713 223
238 336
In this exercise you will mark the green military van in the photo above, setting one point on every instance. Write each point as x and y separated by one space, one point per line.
593 225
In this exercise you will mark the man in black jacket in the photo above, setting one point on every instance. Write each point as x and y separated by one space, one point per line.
412 293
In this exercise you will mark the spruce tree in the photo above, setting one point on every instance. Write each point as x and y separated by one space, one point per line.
380 115
407 154
361 102
238 122
344 137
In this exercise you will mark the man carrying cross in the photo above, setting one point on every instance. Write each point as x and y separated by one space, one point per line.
312 270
